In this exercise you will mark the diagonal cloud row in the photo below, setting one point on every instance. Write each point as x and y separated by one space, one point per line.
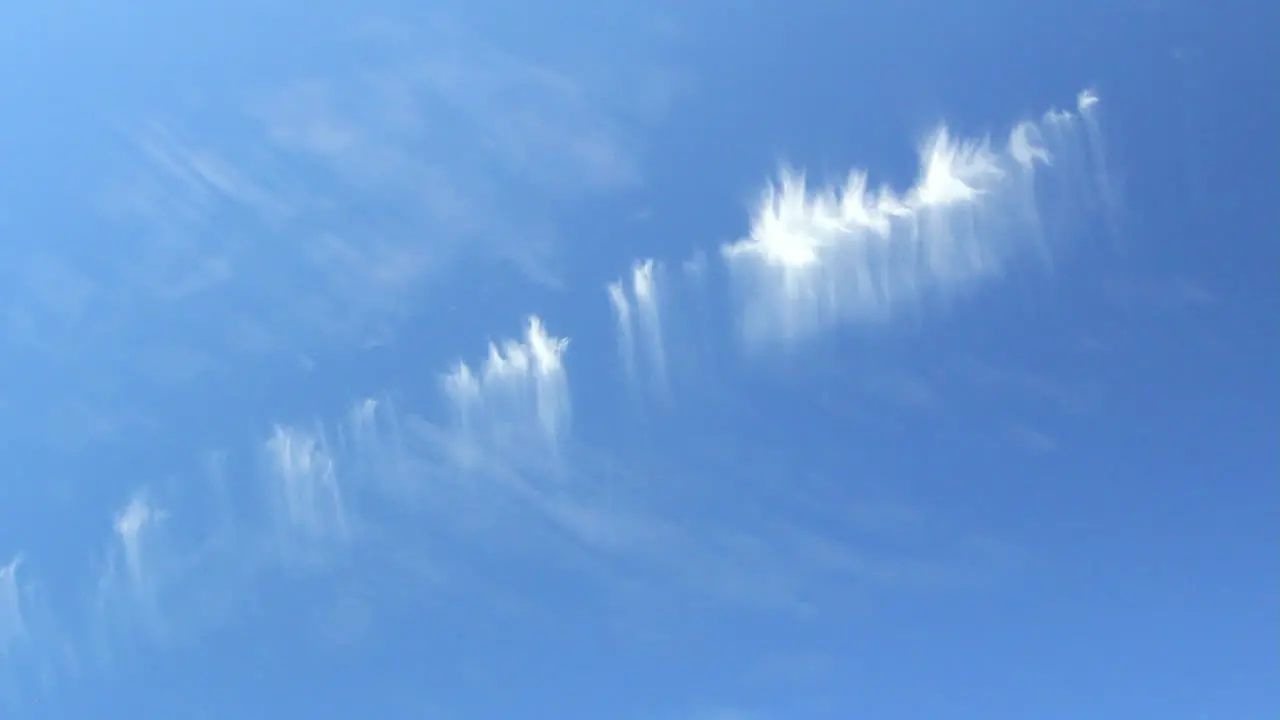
506 456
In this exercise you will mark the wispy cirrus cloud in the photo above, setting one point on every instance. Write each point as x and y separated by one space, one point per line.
521 385
130 591
308 509
814 258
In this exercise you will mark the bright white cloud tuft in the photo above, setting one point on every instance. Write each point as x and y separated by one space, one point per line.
817 257
520 385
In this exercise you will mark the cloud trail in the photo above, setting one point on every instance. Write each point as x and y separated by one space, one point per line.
816 258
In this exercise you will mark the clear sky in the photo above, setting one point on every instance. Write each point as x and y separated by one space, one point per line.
717 360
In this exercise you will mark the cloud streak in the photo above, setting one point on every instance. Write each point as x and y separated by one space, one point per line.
815 258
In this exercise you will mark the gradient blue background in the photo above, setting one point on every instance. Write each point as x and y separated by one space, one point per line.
1062 490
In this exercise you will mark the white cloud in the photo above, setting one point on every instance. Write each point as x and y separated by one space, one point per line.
636 306
817 257
521 385
305 492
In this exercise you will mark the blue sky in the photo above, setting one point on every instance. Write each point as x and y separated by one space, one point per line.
648 361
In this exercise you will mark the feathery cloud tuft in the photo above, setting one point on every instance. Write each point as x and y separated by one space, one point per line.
520 386
643 289
817 257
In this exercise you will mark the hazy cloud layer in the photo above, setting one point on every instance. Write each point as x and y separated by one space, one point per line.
311 207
